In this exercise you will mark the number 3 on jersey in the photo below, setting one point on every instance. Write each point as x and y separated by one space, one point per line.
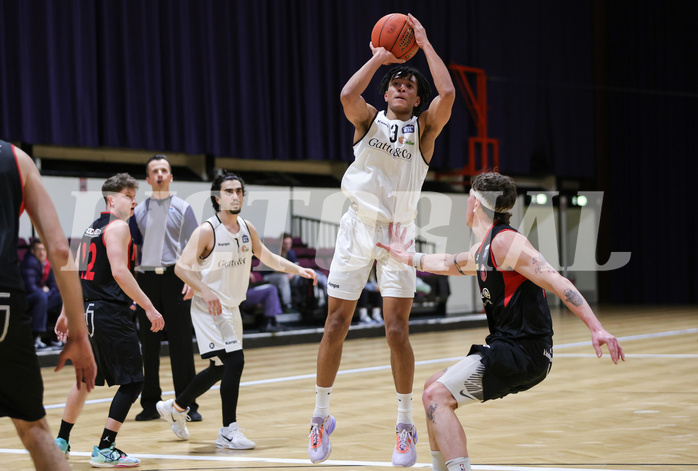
87 261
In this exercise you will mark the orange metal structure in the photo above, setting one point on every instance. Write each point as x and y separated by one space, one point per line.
481 145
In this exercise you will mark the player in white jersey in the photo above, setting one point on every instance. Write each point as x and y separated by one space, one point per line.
216 263
392 152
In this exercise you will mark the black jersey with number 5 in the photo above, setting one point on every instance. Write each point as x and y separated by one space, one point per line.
516 307
95 269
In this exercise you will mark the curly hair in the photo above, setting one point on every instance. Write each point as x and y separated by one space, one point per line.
403 71
499 191
225 175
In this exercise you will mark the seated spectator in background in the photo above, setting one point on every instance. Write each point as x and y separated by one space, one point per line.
267 295
370 298
282 281
43 297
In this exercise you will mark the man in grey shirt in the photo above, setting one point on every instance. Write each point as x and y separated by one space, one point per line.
161 226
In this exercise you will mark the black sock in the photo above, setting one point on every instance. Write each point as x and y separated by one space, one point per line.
108 439
64 431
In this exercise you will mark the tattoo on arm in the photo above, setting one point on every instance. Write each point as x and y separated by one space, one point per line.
573 297
541 264
430 412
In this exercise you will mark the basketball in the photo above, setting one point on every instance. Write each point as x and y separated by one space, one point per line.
393 33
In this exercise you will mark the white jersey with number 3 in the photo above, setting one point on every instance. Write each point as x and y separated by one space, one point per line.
385 180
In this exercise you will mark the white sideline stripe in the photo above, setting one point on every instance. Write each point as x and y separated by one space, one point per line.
241 459
446 360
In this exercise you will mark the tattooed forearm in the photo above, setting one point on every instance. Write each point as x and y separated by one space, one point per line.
430 412
541 265
573 297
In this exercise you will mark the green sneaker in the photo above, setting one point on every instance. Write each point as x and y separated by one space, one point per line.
63 446
112 457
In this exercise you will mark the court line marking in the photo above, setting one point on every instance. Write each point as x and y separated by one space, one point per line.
343 463
446 360
385 367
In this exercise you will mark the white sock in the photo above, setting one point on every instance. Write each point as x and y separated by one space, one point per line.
459 464
404 409
437 461
322 401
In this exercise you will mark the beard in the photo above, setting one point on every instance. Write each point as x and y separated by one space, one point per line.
234 211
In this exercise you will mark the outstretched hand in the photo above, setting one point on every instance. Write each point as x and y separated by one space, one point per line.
602 337
398 247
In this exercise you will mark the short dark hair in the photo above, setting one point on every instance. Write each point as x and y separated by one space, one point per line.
499 191
225 175
117 183
34 242
403 71
157 157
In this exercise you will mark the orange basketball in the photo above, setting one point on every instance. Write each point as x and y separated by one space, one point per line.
394 34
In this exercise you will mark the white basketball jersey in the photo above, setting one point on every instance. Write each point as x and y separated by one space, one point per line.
385 180
226 270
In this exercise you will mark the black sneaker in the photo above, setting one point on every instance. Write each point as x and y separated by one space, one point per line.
148 414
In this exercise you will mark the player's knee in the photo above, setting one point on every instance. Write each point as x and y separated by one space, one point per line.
396 334
436 395
337 325
131 391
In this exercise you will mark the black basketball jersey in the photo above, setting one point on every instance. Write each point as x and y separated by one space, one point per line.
95 268
11 207
516 307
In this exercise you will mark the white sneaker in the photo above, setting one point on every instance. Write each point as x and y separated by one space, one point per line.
233 438
376 316
177 420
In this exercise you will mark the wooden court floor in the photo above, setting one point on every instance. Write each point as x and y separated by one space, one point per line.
589 414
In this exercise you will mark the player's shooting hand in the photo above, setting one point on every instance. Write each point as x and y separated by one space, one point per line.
420 34
386 56
79 350
157 323
602 337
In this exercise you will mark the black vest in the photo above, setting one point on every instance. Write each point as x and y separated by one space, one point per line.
516 307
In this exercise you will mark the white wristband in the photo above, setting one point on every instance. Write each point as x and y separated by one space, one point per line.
417 260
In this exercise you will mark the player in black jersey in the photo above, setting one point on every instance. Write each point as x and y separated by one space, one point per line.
21 387
513 277
105 259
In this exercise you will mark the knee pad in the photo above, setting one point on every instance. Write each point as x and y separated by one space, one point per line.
131 391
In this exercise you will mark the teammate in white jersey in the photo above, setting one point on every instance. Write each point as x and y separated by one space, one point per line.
216 263
392 151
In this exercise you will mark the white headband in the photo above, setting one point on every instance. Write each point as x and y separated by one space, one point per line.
482 200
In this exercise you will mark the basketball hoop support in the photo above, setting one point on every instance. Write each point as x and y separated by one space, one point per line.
480 145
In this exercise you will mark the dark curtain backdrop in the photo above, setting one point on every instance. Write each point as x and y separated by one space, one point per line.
261 79
599 90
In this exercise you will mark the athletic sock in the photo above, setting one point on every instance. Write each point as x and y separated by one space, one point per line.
64 431
404 409
322 401
177 407
108 438
459 464
437 461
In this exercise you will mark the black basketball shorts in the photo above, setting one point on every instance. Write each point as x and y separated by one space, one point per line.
21 386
